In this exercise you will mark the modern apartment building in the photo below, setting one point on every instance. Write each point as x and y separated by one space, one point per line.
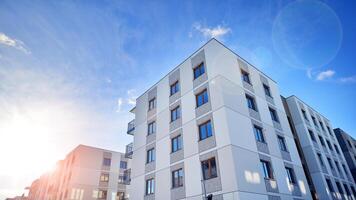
214 125
325 165
86 173
348 148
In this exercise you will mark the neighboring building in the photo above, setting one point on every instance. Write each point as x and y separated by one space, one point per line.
86 173
215 124
348 147
325 165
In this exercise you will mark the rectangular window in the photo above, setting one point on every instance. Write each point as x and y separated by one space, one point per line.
347 190
258 133
174 88
337 166
312 135
152 104
177 178
336 149
176 143
102 194
205 130
330 186
339 188
209 169
321 141
314 121
329 130
107 162
353 191
267 90
104 177
320 159
345 170
245 76
151 128
330 163
150 155
274 115
199 70
123 165
150 186
290 175
251 104
305 115
266 169
282 143
348 141
175 114
322 125
201 98
329 145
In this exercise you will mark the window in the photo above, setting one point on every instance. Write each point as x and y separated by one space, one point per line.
290 175
107 162
205 130
330 163
104 177
176 143
305 115
329 145
209 169
174 88
347 190
339 188
353 191
151 128
314 121
348 141
121 179
274 115
267 90
282 143
177 178
202 98
199 70
120 195
266 169
336 149
123 164
258 133
320 159
337 166
102 194
150 155
152 104
321 125
345 170
321 141
150 186
245 76
330 186
175 114
251 102
329 130
312 135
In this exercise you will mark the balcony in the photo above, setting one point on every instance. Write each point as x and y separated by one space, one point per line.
129 150
131 127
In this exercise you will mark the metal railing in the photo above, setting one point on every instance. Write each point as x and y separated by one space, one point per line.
131 127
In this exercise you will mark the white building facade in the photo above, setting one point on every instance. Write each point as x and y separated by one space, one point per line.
325 162
214 125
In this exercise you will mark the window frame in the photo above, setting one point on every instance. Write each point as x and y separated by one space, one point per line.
267 90
177 178
207 126
107 162
282 143
274 115
267 169
175 113
150 186
150 155
245 76
251 102
152 104
151 128
104 177
258 132
291 175
204 98
199 70
174 88
176 141
211 163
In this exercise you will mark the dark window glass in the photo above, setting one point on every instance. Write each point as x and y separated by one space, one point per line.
330 163
175 88
151 128
177 178
353 191
274 115
245 76
305 115
205 130
322 125
202 98
337 166
282 143
175 114
314 121
266 169
336 149
329 145
330 186
320 159
267 90
312 135
176 143
123 164
107 162
209 168
152 104
345 170
251 102
347 190
339 188
150 186
150 155
321 141
290 175
199 70
329 130
258 133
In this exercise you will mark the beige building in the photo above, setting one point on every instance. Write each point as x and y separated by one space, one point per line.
86 173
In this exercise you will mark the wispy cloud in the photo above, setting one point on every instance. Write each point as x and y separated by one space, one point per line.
325 75
349 79
215 32
17 44
128 101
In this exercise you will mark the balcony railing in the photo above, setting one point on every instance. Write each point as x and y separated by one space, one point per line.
129 150
131 127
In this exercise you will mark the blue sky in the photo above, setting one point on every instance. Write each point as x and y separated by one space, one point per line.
70 70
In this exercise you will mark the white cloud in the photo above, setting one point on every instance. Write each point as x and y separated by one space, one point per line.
18 44
325 75
119 104
215 32
350 79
